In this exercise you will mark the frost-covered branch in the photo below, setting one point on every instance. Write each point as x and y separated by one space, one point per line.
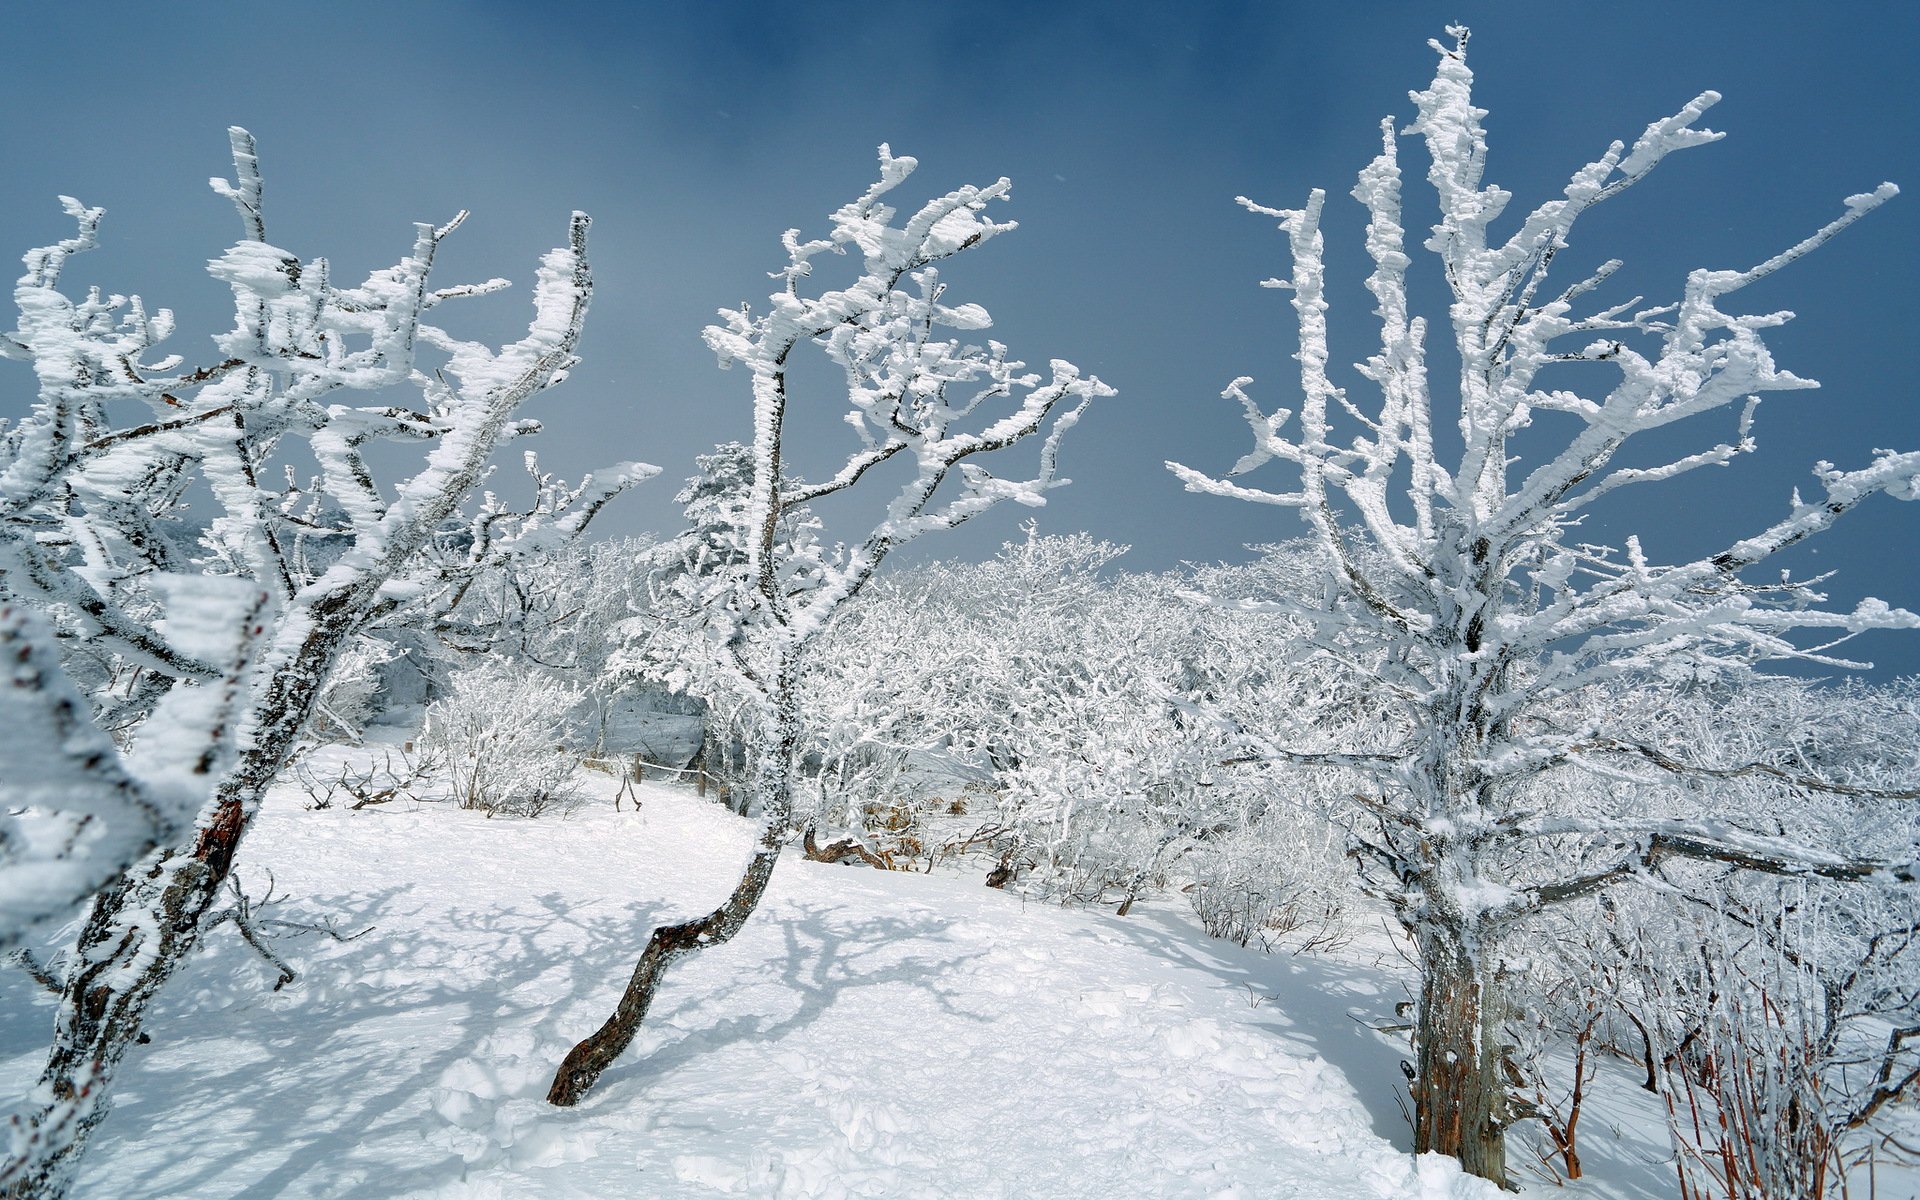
74 811
1687 770
909 393
157 519
1653 841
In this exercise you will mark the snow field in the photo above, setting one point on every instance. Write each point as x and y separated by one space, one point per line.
868 1035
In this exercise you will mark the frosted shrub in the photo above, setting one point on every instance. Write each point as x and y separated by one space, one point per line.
501 729
1782 1017
351 698
555 604
1247 889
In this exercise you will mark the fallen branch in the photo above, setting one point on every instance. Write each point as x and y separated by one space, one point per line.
840 851
250 927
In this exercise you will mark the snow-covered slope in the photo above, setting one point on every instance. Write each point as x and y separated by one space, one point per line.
869 1034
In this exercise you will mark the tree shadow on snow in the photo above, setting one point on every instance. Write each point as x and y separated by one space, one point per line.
327 1087
827 954
312 1089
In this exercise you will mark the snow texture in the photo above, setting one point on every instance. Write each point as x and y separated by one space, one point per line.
871 1034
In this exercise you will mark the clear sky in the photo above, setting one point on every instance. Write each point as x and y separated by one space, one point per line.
696 132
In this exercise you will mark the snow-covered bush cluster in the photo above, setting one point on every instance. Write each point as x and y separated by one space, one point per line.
1073 711
501 731
1772 1013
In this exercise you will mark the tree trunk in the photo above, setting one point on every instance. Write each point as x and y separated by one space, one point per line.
585 1062
702 758
141 929
1459 1097
597 1052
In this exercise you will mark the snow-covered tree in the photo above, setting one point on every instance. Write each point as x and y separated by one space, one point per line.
220 618
1466 586
673 641
993 668
920 405
974 661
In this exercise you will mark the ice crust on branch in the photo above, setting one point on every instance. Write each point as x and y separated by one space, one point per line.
1452 539
73 810
911 396
208 642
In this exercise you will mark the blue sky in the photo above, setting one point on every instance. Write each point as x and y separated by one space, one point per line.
695 133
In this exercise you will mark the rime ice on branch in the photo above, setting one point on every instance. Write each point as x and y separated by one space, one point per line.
215 678
921 406
1463 584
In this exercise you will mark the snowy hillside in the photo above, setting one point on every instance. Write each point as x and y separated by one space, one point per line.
871 1034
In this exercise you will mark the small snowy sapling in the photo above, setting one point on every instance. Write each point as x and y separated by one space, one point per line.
923 409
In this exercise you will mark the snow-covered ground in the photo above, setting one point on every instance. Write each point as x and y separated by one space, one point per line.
869 1034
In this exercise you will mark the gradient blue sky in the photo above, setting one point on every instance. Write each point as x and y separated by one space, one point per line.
695 133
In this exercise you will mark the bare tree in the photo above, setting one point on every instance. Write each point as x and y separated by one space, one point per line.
97 534
774 588
1463 586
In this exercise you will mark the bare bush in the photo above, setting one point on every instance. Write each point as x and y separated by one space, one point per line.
1784 1025
501 730
1246 893
368 784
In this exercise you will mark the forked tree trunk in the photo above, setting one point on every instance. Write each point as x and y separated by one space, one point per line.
1459 1096
585 1062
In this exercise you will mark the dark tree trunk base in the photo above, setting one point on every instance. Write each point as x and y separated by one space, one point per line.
1460 1100
585 1062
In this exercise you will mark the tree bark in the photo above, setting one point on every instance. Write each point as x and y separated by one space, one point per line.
593 1055
585 1062
1459 1098
140 930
